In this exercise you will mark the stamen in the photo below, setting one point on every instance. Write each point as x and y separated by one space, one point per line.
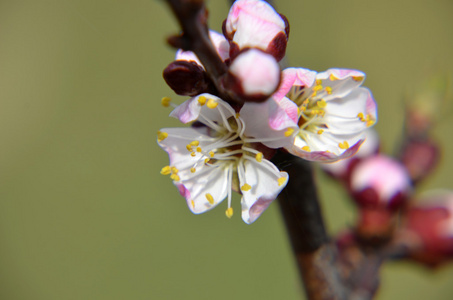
202 100
175 177
306 148
357 78
198 149
318 81
229 212
259 157
246 187
281 181
329 90
332 77
193 203
317 88
174 170
195 143
165 170
289 132
211 153
193 170
343 145
161 136
321 103
165 101
210 198
193 154
320 131
212 103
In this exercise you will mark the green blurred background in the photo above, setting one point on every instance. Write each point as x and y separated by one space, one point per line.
84 212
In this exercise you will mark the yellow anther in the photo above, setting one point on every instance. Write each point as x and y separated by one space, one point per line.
212 103
202 100
198 149
343 145
314 112
318 81
317 88
165 101
289 132
192 203
369 123
321 103
175 177
193 154
259 157
192 170
237 115
329 90
246 187
361 117
320 131
313 94
206 160
174 170
281 181
195 143
211 153
165 170
210 198
357 78
229 212
302 108
305 103
332 77
189 147
161 136
306 148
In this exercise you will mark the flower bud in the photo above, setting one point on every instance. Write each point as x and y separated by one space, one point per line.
253 75
431 223
380 181
186 78
255 24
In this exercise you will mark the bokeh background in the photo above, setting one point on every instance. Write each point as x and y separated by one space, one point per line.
84 212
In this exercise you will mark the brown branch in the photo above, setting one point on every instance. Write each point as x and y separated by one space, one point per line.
316 257
192 17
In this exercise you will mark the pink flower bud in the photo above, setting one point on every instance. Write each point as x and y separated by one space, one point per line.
380 181
255 24
253 75
431 223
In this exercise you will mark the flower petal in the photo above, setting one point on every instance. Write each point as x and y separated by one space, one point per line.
206 108
269 121
266 183
291 77
337 83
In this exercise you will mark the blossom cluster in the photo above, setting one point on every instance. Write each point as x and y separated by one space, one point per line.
316 116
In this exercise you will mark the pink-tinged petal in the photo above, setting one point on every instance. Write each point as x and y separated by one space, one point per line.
219 42
266 183
254 23
324 156
294 77
384 175
269 121
205 108
255 73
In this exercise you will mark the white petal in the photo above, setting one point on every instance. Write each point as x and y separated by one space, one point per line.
263 178
292 77
268 121
192 110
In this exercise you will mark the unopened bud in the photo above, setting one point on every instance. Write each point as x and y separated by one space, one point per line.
186 78
255 24
380 181
253 75
431 223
